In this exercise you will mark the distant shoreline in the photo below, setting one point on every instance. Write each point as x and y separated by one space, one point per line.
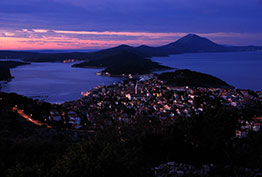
136 75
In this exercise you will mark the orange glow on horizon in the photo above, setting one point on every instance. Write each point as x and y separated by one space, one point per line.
13 43
42 39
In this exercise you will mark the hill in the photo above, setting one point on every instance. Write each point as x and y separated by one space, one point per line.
6 54
124 63
43 57
22 143
116 63
192 79
190 43
11 64
5 68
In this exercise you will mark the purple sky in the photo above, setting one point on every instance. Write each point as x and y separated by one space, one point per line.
106 23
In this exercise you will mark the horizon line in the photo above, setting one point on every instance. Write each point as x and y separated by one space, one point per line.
44 39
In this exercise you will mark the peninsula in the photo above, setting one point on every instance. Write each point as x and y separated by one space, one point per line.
124 59
5 68
189 78
123 63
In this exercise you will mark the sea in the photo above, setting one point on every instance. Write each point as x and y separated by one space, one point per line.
54 82
240 69
59 82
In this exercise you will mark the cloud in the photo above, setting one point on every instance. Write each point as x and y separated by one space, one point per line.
40 30
112 22
133 15
8 34
58 39
147 34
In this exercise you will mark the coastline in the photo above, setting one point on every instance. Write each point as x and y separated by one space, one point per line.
176 65
153 72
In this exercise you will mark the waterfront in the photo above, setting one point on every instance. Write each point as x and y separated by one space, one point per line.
240 69
59 82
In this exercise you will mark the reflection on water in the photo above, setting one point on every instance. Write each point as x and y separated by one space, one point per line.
241 69
54 82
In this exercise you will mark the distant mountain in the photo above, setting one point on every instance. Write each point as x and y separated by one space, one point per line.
190 43
11 64
6 54
63 51
43 57
192 79
126 59
124 62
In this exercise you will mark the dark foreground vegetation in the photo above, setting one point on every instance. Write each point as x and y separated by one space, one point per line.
29 150
5 74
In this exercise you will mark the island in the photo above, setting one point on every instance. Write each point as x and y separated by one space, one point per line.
123 63
190 43
185 77
124 59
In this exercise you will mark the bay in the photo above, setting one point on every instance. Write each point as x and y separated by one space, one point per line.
54 82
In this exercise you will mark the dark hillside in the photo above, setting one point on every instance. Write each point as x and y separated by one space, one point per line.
192 79
124 63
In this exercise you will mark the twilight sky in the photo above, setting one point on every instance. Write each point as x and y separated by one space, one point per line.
90 24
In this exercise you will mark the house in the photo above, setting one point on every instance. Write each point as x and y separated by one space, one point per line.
241 134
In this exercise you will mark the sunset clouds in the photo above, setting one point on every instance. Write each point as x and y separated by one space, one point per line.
26 39
45 24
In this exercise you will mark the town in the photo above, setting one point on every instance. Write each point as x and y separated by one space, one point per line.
152 101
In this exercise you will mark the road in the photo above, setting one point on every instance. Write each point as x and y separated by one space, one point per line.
29 118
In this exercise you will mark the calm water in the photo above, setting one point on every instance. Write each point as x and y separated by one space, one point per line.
240 69
56 82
